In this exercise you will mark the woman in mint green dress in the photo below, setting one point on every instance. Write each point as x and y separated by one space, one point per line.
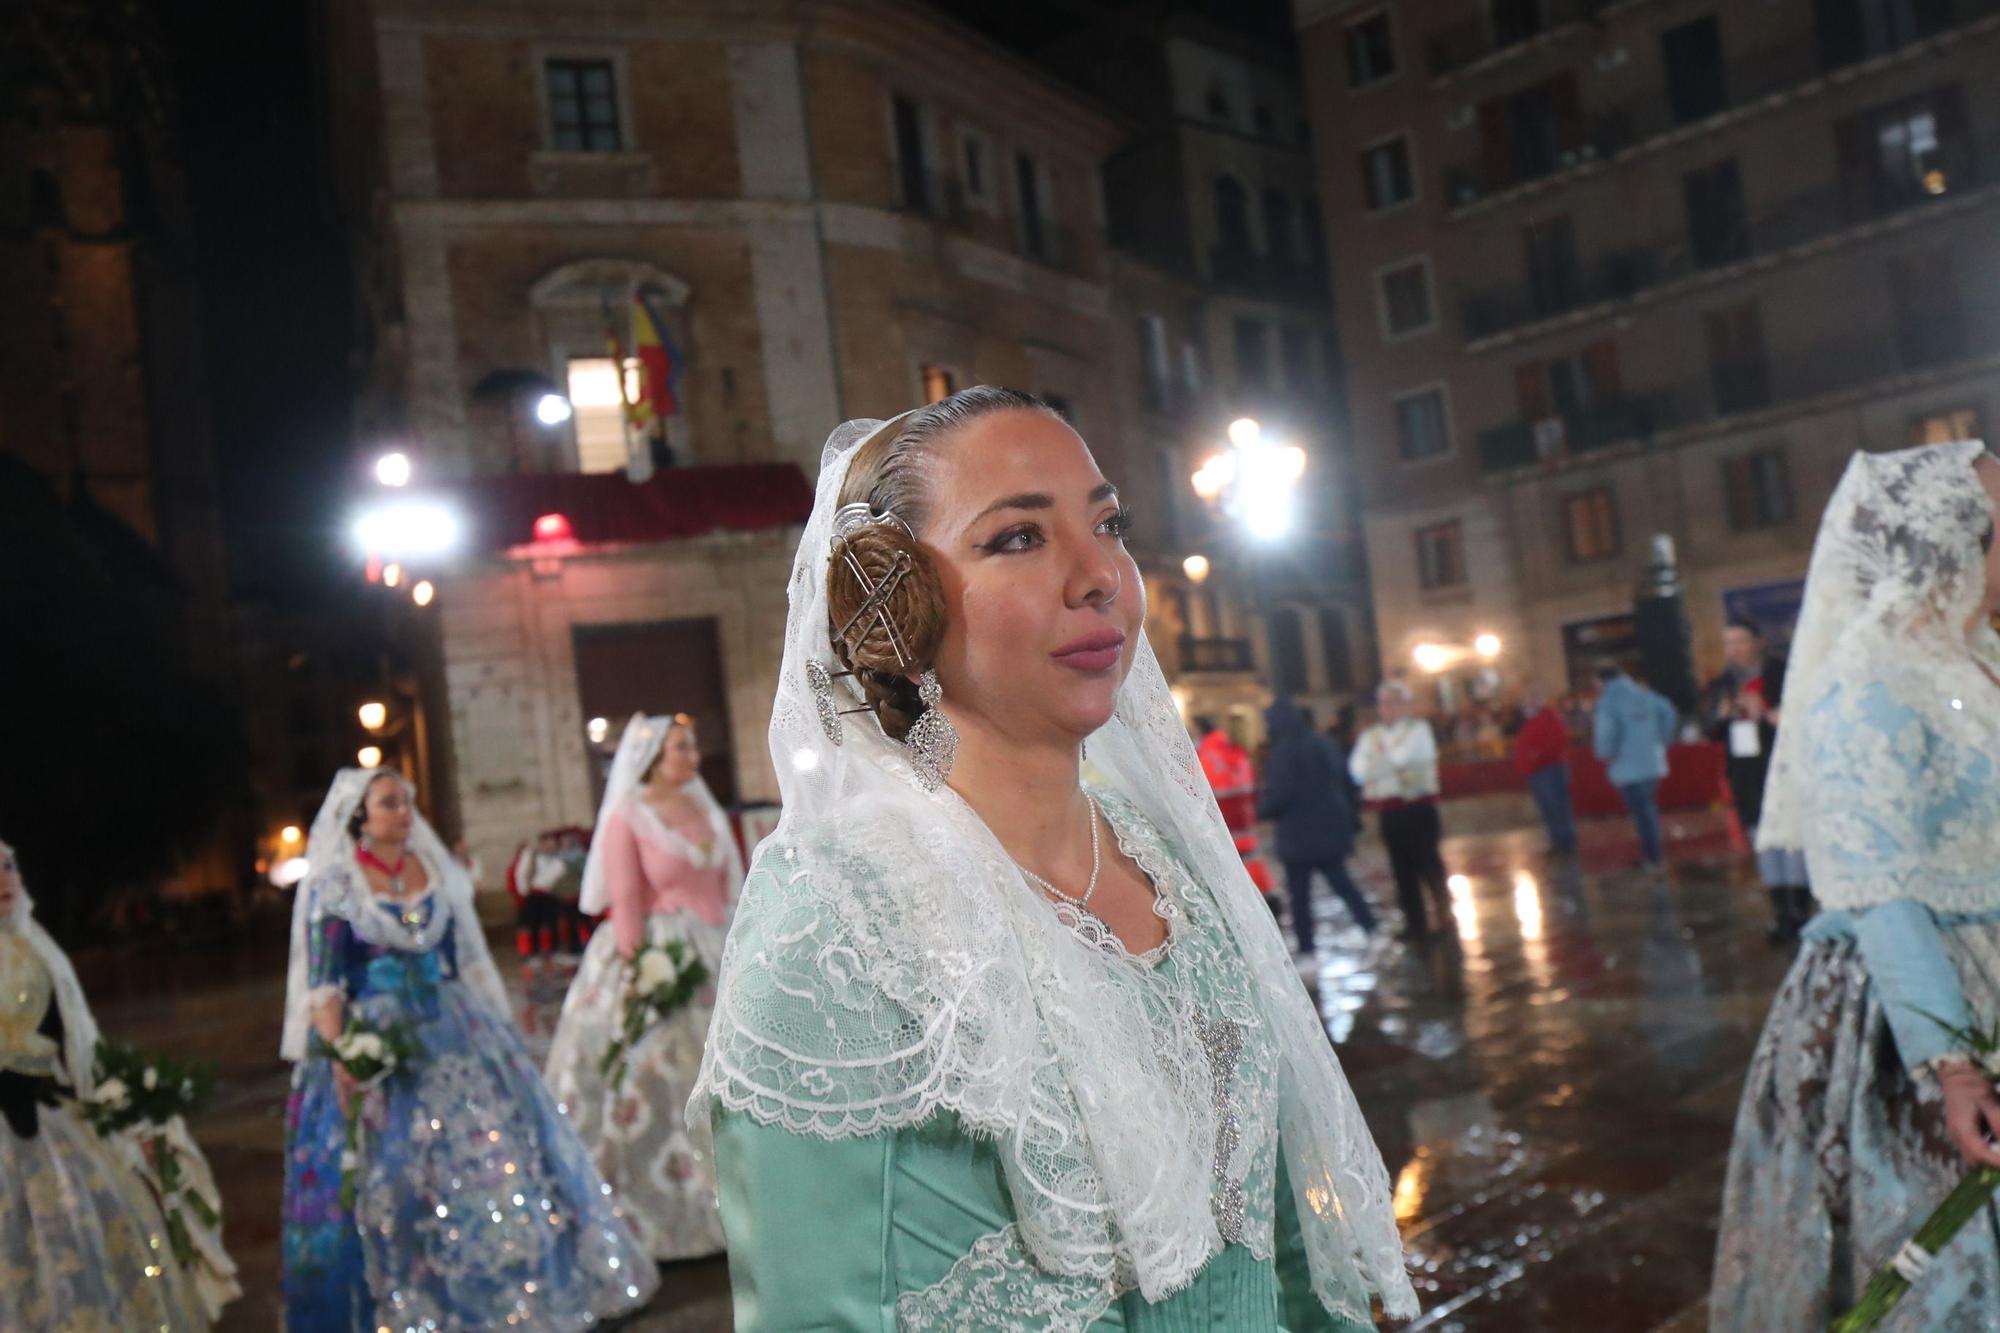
1004 1035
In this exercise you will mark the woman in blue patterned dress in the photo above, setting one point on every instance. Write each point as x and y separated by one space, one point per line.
1862 1109
475 1205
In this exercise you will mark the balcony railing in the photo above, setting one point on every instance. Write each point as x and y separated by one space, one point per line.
1834 365
1521 443
1452 49
1813 215
1747 384
1746 80
1216 655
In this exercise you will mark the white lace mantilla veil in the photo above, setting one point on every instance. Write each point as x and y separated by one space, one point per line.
1897 572
335 887
638 747
891 963
79 1027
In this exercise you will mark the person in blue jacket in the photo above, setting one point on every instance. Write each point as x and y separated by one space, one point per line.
1634 727
1305 794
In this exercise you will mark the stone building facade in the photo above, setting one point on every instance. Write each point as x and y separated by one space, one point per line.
1611 270
838 208
1221 301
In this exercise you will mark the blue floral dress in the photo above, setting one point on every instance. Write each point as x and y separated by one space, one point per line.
1840 1150
476 1205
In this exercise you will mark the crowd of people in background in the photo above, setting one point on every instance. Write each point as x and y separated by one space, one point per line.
1312 787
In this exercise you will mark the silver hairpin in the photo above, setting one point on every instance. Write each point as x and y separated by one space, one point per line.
850 519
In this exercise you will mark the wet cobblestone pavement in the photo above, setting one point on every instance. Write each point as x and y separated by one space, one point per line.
1552 1078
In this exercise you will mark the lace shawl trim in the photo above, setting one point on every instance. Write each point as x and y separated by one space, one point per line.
997 1284
344 893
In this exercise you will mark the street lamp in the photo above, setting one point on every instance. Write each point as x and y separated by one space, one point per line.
373 715
1253 479
552 409
1432 657
403 528
392 575
423 592
369 756
1487 646
289 835
597 729
1196 568
393 469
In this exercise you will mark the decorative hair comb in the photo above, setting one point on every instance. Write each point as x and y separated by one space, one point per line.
875 594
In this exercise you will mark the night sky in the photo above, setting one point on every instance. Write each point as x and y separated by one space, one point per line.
275 268
274 274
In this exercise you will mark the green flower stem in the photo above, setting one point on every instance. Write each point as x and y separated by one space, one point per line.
348 1173
1887 1286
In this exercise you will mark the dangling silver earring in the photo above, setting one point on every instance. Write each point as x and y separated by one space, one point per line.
932 742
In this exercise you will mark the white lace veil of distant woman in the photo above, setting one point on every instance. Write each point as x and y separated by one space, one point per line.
637 749
334 887
903 967
1897 574
79 1028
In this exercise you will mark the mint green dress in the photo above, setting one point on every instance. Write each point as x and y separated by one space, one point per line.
912 1228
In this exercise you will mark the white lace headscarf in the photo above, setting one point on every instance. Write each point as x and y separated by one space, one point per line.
1897 573
335 887
79 1028
936 980
638 747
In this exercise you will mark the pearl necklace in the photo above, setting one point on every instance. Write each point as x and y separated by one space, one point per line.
1096 864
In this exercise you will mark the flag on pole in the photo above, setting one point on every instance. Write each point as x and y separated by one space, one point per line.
659 360
638 446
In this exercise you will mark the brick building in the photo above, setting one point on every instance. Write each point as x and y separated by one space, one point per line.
1220 296
836 208
1610 270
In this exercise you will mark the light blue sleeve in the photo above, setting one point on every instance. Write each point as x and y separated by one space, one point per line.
1904 950
1669 718
807 1226
1883 849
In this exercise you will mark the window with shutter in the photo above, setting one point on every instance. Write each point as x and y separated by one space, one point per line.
1591 522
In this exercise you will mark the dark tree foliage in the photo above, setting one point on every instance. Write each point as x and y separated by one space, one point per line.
118 755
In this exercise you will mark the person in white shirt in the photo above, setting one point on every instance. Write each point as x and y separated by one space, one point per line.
1396 763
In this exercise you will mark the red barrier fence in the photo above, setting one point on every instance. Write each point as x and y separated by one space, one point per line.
1695 778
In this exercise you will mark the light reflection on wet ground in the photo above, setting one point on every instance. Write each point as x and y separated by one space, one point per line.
1552 1079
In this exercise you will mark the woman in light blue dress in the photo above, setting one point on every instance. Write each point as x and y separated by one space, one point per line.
475 1207
1861 1110
1004 1036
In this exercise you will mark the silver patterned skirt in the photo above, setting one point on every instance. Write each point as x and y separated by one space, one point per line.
638 1136
1840 1154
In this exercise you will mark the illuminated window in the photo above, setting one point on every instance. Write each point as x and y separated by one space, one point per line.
600 413
1592 524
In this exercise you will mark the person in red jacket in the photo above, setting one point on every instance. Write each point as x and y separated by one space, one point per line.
1541 755
1233 779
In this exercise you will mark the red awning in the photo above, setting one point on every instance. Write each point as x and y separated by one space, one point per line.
606 509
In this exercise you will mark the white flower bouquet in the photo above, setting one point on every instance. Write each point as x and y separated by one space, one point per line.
663 977
138 1105
371 1053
